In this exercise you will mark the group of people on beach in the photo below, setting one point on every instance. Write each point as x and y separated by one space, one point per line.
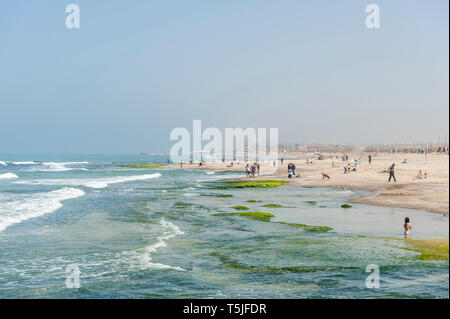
391 172
253 170
348 167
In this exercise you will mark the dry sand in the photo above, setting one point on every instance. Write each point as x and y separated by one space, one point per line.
431 194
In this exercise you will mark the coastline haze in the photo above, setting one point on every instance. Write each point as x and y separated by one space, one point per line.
135 71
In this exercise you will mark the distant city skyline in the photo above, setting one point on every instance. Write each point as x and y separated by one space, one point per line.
134 71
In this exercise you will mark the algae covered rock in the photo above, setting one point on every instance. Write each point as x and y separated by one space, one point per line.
251 184
272 205
238 207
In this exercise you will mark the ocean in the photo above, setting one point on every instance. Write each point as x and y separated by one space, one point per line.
170 233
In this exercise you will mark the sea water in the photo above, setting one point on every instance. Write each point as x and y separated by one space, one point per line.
167 233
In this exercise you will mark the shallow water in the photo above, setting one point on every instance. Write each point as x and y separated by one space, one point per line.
156 233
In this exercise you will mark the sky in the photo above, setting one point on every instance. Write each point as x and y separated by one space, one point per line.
135 70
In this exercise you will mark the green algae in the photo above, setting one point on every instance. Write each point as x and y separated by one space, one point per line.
313 229
265 217
272 205
140 165
238 207
311 202
189 205
181 204
429 249
346 206
251 184
230 263
252 201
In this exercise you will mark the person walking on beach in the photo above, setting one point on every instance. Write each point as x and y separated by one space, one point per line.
258 168
247 170
392 173
408 227
370 159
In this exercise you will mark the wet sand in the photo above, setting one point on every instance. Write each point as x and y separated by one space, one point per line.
431 194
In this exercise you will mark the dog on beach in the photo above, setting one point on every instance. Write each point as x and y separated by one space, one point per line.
325 176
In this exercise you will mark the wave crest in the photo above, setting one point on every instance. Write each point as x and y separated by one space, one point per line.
91 182
23 207
8 176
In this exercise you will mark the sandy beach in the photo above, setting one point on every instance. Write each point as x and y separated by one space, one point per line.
430 194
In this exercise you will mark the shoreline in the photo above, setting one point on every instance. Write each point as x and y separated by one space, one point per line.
430 195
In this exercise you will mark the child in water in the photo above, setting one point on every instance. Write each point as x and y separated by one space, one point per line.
408 227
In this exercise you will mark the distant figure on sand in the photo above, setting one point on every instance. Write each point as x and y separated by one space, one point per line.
408 227
392 173
405 161
293 168
420 175
247 170
370 159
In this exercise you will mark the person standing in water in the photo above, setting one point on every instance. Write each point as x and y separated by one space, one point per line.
408 227
392 173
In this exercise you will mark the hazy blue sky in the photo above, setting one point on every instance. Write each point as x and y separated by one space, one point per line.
137 69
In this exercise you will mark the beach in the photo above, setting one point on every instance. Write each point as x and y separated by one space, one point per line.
430 194
137 228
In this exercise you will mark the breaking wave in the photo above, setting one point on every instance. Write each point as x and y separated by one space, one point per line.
15 209
91 182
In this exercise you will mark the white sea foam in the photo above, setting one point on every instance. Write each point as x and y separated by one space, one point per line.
3 163
24 163
210 172
8 176
190 194
15 209
169 231
62 166
91 182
